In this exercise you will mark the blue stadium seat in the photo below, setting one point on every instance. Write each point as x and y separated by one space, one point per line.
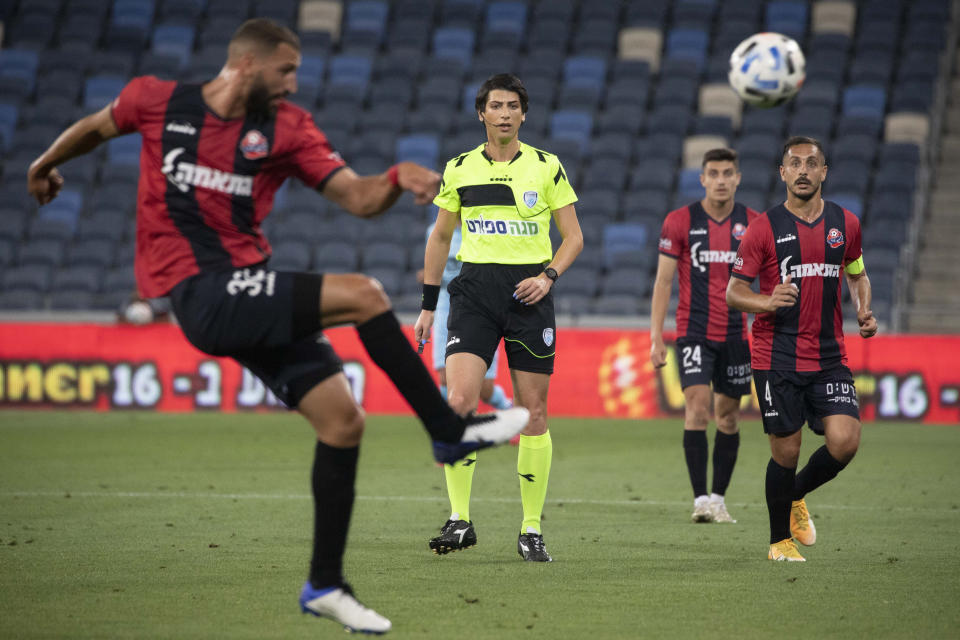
455 43
816 122
595 36
390 255
852 147
506 16
788 17
77 278
864 100
676 91
913 95
605 173
175 40
650 13
422 149
100 91
96 253
335 257
849 201
621 118
615 146
291 255
925 35
124 150
41 252
600 201
818 93
584 70
625 281
848 176
860 124
672 118
353 71
366 17
549 37
461 13
572 125
871 68
182 11
652 174
687 44
756 175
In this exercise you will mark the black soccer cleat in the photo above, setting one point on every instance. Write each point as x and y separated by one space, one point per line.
454 535
530 547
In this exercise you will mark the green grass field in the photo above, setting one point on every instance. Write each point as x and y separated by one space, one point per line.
198 526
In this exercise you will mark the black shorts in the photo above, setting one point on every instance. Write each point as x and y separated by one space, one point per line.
483 310
725 364
268 321
790 398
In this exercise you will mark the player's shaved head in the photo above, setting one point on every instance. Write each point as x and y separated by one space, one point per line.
261 37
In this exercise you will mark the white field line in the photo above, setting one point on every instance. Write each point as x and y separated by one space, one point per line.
442 499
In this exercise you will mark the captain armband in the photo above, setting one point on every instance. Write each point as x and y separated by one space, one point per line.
855 268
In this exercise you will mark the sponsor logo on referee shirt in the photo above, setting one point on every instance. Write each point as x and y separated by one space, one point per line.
530 198
483 227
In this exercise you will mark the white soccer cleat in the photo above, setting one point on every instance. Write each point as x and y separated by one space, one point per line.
339 605
701 510
718 509
483 430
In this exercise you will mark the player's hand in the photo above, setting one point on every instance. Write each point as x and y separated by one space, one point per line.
784 295
423 183
658 353
43 185
868 324
421 330
533 290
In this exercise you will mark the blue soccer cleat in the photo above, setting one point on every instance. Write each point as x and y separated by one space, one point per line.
484 430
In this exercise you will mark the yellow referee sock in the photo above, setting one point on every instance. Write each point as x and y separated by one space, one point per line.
533 467
459 477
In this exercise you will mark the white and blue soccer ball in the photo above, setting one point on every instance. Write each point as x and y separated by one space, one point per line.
767 69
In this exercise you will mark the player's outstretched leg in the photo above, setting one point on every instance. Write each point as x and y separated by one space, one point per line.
482 431
339 604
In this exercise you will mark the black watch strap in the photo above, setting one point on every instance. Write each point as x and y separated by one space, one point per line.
551 273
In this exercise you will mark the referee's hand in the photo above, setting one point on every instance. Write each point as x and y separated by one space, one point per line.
423 183
532 290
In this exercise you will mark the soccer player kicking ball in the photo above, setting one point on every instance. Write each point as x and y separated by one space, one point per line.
700 241
798 250
214 155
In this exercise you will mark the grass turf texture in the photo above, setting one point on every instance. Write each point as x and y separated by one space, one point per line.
198 526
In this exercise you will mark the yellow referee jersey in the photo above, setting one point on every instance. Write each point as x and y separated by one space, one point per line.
505 207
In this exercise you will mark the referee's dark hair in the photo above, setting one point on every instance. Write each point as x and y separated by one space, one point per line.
721 155
504 82
794 141
262 35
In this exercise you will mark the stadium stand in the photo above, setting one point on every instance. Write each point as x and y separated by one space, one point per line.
628 93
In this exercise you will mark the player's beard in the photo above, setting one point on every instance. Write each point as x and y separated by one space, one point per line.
806 197
258 102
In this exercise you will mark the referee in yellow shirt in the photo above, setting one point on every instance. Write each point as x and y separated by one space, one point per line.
503 195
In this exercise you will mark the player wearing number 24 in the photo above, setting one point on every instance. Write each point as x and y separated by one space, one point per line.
798 250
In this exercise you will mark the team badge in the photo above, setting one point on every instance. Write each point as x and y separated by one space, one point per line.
530 198
254 145
738 263
738 230
666 244
834 238
548 337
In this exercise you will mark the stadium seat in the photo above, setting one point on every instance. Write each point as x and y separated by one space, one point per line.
175 40
641 43
687 44
719 100
695 146
788 17
423 149
818 94
622 119
77 278
389 255
21 300
30 277
673 120
454 43
95 253
616 304
291 255
100 91
834 16
572 125
906 127
628 281
335 258
595 36
321 15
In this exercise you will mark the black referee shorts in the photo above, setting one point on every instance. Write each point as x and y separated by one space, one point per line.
268 321
483 310
790 398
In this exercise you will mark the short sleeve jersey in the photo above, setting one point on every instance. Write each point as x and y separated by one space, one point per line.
206 183
505 207
705 250
809 335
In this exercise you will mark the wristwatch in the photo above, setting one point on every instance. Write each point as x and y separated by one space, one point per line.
551 273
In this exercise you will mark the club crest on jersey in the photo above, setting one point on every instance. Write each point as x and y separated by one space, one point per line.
530 198
738 230
548 337
834 238
254 145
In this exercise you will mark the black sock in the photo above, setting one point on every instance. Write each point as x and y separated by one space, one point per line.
334 473
725 447
695 450
779 496
821 468
384 341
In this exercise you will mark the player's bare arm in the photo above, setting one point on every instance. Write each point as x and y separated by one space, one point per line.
43 180
666 269
533 290
862 294
368 196
742 298
435 257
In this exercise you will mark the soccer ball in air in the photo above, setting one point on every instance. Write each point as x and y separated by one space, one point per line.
767 69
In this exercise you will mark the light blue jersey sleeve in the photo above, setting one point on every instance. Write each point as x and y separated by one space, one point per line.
452 269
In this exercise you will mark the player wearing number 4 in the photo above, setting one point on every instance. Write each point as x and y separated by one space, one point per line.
214 155
504 195
700 241
798 250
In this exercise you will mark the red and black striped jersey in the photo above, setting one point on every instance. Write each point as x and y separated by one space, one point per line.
206 183
705 250
809 335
